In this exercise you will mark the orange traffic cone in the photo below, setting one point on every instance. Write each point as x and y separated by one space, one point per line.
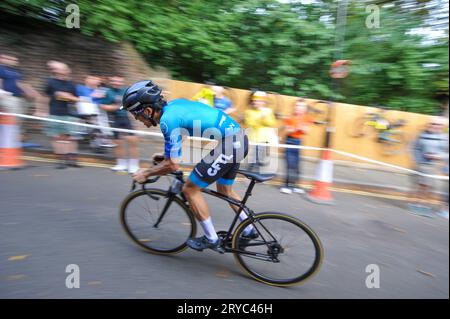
10 148
321 191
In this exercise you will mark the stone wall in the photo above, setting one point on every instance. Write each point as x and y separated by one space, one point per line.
35 42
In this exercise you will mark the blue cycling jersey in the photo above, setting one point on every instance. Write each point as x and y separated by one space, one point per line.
184 117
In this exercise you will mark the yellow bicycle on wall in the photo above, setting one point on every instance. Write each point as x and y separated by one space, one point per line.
388 134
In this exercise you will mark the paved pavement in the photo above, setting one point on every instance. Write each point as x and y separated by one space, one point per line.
52 218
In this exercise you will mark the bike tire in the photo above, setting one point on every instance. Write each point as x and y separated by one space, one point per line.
147 245
262 218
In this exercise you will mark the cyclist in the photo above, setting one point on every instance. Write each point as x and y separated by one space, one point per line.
144 101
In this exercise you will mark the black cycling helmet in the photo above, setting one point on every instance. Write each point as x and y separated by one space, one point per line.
141 95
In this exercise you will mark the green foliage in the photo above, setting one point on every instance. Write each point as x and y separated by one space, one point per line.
285 47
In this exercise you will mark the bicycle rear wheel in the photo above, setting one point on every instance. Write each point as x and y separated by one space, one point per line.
287 252
157 222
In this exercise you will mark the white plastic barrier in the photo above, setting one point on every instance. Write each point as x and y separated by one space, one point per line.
440 177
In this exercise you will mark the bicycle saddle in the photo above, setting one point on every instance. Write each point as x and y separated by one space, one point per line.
256 176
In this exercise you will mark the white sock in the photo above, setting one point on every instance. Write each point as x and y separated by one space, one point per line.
249 228
209 230
133 162
122 162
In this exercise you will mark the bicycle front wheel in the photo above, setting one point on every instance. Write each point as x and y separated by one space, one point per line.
286 252
157 222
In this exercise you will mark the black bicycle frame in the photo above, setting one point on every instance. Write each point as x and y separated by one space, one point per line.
241 204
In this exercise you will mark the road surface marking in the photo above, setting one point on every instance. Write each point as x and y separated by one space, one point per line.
275 183
94 283
399 230
16 258
223 273
426 273
15 277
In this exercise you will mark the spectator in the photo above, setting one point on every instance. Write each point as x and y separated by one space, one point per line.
222 102
205 96
91 96
9 83
260 121
296 127
111 103
89 91
443 210
13 88
430 149
62 94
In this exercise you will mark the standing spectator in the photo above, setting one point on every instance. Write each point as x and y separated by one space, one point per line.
430 150
13 88
222 102
443 210
91 96
9 82
89 91
296 127
205 96
260 121
62 94
112 103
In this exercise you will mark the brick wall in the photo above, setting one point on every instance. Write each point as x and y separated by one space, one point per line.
35 42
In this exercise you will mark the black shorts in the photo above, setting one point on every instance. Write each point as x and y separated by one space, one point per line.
222 163
123 123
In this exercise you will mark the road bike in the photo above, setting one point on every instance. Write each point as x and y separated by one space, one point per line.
286 251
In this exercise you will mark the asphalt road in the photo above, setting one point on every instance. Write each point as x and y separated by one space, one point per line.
52 218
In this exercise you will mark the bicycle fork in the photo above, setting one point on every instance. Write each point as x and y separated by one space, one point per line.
166 207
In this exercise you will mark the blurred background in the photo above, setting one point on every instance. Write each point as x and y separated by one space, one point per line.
270 65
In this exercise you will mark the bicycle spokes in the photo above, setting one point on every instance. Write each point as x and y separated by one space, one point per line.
161 225
283 252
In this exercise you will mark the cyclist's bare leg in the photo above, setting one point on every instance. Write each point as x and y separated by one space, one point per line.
228 191
200 208
196 200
